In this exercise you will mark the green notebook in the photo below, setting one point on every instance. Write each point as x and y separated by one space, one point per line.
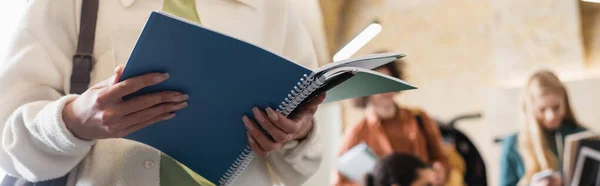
345 77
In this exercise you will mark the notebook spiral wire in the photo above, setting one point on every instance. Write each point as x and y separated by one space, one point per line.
299 93
238 166
306 86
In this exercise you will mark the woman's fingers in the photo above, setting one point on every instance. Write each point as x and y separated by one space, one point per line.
139 126
146 101
146 114
265 122
261 138
131 85
544 182
118 73
313 104
437 166
255 147
289 126
556 179
281 128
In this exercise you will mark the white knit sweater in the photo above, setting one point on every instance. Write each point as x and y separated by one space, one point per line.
35 142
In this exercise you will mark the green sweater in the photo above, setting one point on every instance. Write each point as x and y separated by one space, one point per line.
512 168
174 173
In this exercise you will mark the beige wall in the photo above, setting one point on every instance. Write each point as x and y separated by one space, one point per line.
331 11
463 54
447 50
590 20
533 34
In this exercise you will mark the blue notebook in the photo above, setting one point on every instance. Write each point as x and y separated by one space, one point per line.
225 78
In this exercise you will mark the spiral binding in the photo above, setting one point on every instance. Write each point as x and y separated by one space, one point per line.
238 166
306 86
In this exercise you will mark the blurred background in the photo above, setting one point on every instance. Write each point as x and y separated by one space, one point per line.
466 57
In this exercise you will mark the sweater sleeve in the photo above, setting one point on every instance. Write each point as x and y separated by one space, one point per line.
35 142
508 171
299 160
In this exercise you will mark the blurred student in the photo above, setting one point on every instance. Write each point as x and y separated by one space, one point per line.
546 118
389 128
400 170
50 133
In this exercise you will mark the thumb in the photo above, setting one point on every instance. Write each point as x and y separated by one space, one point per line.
322 97
312 106
318 100
112 79
117 75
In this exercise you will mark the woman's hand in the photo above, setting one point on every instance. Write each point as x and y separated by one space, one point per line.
440 173
282 129
101 113
554 180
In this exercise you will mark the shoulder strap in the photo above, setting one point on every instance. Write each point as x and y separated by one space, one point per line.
420 122
421 125
83 60
419 118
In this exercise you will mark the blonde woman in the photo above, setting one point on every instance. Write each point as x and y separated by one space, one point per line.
546 118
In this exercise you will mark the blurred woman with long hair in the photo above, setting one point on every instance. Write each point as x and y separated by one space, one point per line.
546 118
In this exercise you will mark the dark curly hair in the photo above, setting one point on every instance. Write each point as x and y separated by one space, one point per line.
400 169
396 69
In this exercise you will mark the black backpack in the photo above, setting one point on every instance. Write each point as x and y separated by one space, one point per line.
475 173
80 78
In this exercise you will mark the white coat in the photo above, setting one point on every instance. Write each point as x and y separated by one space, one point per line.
35 142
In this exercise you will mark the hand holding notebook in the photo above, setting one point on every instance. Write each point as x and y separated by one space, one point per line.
99 112
280 128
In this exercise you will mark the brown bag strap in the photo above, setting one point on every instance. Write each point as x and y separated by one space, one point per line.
83 60
421 125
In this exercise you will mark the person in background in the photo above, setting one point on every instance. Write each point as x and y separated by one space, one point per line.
389 128
50 133
400 170
546 118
